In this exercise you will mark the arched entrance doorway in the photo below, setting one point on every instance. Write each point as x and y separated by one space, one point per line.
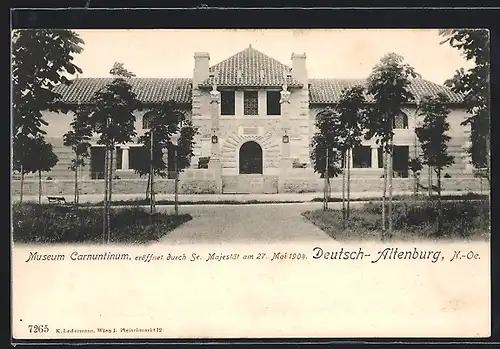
250 158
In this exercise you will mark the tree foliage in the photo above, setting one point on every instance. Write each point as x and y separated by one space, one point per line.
326 137
474 85
34 155
112 112
432 133
165 120
40 60
389 84
351 110
415 165
78 137
120 70
40 156
21 147
434 140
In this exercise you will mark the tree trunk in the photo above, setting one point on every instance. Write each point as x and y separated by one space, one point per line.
110 190
151 174
326 175
384 193
111 155
147 187
390 172
75 200
488 160
440 208
39 187
177 183
415 183
328 190
105 202
344 157
430 181
22 184
349 156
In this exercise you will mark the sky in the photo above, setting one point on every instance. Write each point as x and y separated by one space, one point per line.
331 53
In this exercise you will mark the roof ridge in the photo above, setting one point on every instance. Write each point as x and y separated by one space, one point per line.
250 49
356 79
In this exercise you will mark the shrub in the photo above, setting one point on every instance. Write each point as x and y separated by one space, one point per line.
34 223
203 162
411 219
459 217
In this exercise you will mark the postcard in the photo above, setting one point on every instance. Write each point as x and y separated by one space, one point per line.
221 184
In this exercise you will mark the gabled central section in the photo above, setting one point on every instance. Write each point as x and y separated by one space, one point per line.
250 68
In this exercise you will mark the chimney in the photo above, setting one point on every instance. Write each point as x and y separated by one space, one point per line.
201 68
299 70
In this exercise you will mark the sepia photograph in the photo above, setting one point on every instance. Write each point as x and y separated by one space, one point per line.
173 174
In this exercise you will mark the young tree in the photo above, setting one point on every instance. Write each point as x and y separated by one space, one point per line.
165 120
415 166
433 140
40 60
474 85
41 158
389 85
120 70
78 138
324 157
112 117
351 113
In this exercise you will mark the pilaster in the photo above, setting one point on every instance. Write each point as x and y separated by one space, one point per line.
125 157
215 161
374 153
285 161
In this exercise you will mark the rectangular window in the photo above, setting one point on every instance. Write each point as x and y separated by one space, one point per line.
380 152
97 162
137 156
251 103
171 162
401 121
400 161
118 156
273 103
362 157
227 103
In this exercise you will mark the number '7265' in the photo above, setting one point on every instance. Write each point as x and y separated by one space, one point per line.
38 328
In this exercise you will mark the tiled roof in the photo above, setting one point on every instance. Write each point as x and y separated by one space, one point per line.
324 91
256 69
148 90
154 90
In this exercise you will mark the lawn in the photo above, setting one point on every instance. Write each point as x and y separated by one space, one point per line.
145 202
33 223
412 221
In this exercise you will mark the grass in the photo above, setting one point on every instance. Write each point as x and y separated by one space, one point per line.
144 202
412 221
422 197
33 223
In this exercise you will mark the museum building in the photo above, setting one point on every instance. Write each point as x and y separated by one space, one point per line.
255 118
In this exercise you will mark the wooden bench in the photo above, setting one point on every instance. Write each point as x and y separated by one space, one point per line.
56 199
